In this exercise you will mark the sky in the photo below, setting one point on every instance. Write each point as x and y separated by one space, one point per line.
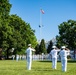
55 13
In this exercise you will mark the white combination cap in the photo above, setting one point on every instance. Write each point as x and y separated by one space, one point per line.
63 47
29 44
53 46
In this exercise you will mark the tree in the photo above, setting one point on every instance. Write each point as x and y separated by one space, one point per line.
22 34
50 46
42 48
37 49
67 31
14 32
5 29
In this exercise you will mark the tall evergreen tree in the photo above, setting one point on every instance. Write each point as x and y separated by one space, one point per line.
37 49
42 47
50 46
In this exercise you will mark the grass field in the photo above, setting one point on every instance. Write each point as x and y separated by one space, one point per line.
12 67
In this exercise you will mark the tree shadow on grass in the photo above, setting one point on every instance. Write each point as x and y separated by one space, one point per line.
45 61
69 61
72 61
45 70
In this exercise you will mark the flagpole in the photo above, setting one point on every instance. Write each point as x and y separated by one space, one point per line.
40 25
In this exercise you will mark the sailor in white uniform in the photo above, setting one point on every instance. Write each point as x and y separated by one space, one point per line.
53 53
29 56
63 55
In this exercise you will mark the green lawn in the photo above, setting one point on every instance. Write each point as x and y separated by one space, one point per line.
10 67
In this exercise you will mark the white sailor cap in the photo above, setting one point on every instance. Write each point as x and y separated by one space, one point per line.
29 44
63 47
53 46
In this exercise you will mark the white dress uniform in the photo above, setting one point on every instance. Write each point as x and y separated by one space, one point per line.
17 57
54 57
63 55
29 57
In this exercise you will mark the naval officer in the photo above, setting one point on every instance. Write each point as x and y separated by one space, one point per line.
53 53
63 54
29 56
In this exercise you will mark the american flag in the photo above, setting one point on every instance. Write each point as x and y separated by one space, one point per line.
42 11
